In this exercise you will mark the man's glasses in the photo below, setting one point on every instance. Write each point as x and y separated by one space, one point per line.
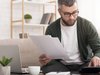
74 13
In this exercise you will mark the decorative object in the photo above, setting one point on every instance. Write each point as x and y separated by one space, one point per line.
27 18
5 69
23 35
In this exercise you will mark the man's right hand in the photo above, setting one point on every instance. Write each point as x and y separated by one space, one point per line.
44 59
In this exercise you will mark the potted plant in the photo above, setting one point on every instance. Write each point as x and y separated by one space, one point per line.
27 18
5 69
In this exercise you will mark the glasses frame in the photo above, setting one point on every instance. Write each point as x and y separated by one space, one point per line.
74 13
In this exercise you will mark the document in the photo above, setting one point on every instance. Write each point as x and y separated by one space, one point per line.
50 46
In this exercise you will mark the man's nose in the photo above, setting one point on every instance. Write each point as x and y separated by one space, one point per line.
71 16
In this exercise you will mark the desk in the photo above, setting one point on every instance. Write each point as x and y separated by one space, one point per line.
20 74
72 74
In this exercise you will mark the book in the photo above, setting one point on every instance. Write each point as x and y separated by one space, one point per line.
52 18
45 18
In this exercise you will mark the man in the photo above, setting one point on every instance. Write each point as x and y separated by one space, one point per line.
77 35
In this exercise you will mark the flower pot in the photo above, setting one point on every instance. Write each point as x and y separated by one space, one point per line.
27 20
5 70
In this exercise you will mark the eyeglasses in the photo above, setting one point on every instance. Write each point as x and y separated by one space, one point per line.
74 13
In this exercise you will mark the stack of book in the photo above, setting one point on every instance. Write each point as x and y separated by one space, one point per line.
47 18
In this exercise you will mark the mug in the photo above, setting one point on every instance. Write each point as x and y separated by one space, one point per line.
34 70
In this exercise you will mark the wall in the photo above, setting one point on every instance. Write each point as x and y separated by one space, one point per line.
89 9
4 19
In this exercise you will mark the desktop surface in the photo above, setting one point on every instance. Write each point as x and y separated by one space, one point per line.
20 74
71 74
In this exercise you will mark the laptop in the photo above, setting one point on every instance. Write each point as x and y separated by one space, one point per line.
12 51
90 70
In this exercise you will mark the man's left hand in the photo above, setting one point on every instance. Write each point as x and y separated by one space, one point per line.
95 62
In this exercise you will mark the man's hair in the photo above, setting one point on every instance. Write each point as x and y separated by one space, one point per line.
66 2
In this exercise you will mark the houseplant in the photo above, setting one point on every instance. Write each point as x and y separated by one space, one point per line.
27 17
5 69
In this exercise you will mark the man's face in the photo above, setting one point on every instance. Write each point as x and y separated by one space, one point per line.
69 14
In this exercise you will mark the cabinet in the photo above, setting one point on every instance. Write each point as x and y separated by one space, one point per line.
34 7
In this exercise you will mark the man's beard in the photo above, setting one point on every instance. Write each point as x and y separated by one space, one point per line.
67 24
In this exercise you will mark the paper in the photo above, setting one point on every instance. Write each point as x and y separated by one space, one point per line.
50 46
58 73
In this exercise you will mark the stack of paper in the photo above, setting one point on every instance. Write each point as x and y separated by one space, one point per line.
49 46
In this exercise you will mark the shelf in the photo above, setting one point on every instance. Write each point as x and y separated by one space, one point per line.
34 2
52 1
18 23
34 25
41 25
16 1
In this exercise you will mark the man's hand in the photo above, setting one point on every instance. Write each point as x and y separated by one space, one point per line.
44 59
95 62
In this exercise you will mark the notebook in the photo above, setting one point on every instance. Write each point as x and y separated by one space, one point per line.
12 51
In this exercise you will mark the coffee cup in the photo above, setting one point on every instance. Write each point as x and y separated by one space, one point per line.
34 70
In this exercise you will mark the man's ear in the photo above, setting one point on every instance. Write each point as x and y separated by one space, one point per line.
59 11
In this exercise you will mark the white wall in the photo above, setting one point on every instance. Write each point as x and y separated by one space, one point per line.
4 19
88 9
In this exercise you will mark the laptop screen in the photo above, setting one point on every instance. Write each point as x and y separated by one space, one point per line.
11 51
